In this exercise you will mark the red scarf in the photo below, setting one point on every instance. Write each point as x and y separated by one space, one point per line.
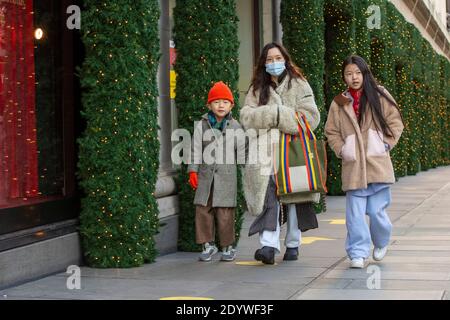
356 95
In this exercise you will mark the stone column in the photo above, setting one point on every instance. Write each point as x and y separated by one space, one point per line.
166 191
276 25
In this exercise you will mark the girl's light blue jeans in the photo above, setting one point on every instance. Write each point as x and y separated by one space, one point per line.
373 202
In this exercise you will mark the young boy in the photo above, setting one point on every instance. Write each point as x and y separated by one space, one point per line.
215 179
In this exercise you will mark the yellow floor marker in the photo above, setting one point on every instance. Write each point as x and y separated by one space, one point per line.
309 240
185 298
335 221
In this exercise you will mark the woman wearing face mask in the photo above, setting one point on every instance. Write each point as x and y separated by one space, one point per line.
278 90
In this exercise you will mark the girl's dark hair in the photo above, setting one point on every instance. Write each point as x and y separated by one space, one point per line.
262 80
371 95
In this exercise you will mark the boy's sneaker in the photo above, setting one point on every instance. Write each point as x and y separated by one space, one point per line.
357 263
208 251
379 253
228 253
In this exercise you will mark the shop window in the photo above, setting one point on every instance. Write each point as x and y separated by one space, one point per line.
31 132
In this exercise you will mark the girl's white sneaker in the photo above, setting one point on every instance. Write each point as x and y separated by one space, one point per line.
379 253
357 263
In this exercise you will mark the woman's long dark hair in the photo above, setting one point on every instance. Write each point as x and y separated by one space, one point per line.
262 80
371 95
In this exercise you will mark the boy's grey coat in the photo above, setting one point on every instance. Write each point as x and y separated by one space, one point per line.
223 175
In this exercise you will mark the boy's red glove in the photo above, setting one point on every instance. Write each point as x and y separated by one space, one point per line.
193 179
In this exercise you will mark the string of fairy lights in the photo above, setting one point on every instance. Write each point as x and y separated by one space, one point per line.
119 151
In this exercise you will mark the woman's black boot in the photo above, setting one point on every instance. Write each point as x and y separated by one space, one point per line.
266 255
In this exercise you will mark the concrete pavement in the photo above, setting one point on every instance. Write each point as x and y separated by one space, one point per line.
417 265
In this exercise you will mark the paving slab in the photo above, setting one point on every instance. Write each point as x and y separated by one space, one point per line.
413 285
394 275
343 294
249 290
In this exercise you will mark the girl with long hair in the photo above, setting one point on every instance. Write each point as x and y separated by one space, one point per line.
363 126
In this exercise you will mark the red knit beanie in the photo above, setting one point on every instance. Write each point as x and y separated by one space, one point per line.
220 91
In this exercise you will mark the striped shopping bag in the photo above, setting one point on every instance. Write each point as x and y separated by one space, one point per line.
301 162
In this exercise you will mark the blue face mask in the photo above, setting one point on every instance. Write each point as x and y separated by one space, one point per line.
275 68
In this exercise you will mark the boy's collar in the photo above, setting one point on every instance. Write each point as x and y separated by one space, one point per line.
229 116
211 118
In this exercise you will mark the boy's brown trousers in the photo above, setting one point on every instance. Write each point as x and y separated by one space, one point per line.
205 226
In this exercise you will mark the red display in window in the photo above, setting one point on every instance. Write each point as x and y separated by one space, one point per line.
18 149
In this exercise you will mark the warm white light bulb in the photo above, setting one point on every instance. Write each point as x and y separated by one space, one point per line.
38 33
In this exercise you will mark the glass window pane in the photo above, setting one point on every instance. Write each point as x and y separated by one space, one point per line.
31 155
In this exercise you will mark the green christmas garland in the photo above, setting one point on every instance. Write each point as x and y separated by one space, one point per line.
119 150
